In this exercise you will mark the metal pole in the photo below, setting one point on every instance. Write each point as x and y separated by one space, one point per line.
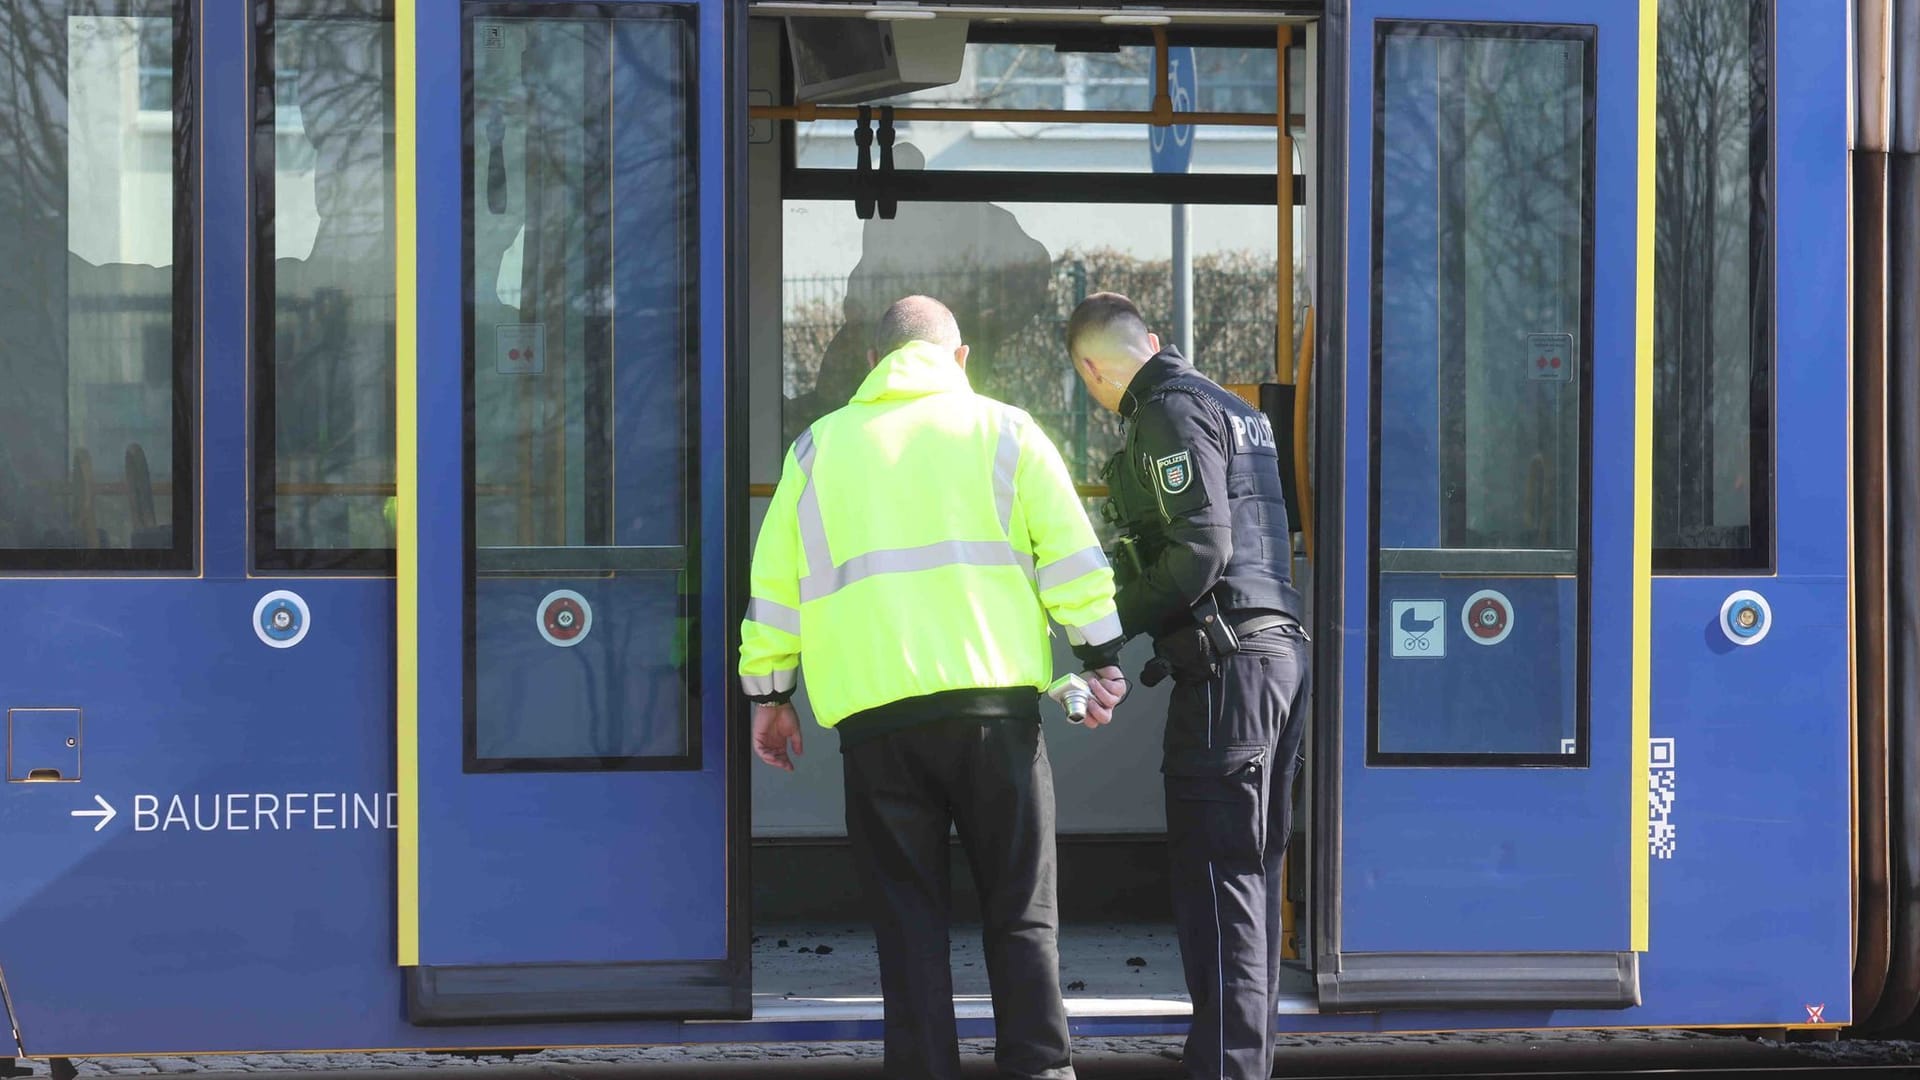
1283 358
1183 279
807 113
1083 451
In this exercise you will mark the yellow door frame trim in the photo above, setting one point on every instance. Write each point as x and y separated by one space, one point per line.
407 482
1637 853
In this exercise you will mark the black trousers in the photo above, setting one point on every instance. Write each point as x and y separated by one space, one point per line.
1232 748
991 780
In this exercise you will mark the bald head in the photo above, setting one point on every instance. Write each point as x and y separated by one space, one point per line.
915 318
1108 325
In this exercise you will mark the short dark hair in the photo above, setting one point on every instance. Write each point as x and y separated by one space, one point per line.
1107 312
915 318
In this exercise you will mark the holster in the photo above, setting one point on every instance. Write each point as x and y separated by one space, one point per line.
1125 558
1193 654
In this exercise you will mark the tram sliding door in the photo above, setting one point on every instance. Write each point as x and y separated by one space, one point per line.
1491 708
570 846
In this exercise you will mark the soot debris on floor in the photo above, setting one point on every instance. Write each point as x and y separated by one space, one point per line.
1119 961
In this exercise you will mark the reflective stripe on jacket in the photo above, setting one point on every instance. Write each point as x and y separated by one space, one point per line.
917 542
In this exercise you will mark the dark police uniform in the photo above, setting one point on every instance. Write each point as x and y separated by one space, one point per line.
1197 487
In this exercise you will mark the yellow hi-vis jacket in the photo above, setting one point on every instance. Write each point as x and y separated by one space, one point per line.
918 540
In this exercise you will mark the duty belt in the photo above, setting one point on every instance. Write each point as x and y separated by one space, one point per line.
1257 623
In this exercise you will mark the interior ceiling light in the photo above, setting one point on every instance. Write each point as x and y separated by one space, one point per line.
1136 20
898 14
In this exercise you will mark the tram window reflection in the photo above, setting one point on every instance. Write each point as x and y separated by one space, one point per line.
582 377
325 270
96 290
1009 75
1012 273
1712 449
1481 338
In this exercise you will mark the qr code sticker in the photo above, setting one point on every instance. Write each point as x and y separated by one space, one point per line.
1660 794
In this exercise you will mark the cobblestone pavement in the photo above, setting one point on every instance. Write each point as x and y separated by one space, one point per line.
1141 1057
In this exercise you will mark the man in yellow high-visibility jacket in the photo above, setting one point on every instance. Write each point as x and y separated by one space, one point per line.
917 542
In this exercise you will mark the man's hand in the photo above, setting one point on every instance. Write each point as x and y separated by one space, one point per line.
775 727
1107 688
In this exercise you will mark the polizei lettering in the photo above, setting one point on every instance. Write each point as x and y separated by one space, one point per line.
1254 430
317 811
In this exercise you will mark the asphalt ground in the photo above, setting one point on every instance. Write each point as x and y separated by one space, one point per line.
1349 1057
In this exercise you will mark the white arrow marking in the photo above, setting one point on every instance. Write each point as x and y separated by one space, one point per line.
106 813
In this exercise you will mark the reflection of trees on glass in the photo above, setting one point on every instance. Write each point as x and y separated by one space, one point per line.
333 274
531 228
1709 242
582 216
1482 225
87 291
583 223
1511 228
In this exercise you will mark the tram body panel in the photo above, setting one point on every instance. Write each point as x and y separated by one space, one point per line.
157 935
567 741
1514 838
240 891
1752 906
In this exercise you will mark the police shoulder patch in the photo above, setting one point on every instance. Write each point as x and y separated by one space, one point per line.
1175 472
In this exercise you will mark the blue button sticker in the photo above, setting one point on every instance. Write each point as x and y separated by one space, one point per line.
281 619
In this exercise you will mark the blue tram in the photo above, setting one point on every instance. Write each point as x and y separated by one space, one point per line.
392 387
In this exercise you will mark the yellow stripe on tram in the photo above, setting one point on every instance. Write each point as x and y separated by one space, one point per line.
1643 477
407 484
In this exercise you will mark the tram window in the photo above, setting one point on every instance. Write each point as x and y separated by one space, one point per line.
1003 75
324 286
1013 273
97 289
1713 475
1479 475
581 380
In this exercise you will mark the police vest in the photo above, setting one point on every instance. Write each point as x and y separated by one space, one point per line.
1259 570
918 541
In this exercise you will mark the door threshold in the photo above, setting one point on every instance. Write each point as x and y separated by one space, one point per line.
1112 973
780 1008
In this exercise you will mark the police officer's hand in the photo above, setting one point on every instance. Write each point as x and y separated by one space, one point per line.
1107 688
775 728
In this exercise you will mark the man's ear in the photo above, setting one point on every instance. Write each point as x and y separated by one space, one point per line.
960 356
1153 341
873 359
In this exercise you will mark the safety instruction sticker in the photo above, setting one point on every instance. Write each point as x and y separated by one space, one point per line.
1418 629
520 348
1550 357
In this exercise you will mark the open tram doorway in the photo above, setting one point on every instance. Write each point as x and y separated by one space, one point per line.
1011 218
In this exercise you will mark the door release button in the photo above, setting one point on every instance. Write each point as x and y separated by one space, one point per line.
281 619
1745 617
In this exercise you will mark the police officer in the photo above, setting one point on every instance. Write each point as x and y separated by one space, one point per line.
1197 488
918 541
